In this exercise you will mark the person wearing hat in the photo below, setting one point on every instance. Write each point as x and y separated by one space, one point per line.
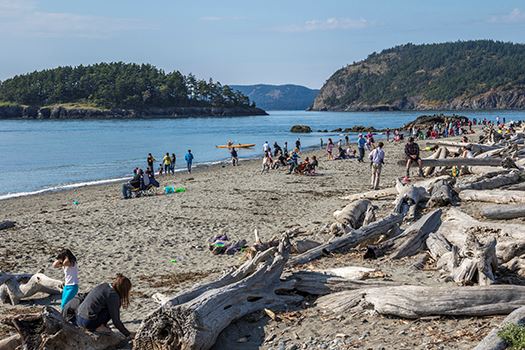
361 142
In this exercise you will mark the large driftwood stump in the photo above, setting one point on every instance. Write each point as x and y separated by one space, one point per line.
349 240
195 324
15 288
409 199
492 341
353 214
48 330
459 161
442 194
419 301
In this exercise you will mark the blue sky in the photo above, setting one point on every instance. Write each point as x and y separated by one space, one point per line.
239 42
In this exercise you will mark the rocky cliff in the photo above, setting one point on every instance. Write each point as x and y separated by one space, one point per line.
451 76
60 112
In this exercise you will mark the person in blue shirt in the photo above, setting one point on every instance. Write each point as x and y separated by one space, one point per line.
189 159
361 143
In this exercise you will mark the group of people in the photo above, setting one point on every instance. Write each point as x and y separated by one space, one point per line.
168 163
141 181
92 310
281 157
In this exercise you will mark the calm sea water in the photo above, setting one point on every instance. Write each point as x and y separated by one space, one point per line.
47 155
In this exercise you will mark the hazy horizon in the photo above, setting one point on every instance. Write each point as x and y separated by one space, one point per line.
238 43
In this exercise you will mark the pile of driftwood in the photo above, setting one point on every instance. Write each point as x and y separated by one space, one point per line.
426 222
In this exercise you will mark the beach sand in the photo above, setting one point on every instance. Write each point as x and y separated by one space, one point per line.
160 243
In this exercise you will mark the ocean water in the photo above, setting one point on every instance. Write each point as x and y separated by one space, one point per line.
39 156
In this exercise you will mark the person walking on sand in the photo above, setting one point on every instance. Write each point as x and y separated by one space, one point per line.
150 160
412 154
167 163
361 142
173 161
235 157
377 159
330 149
189 160
68 262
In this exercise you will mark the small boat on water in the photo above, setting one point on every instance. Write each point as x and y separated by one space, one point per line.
239 145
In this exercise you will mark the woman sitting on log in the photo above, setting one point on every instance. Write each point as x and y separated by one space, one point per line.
103 304
68 262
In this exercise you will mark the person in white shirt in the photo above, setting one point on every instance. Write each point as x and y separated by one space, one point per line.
68 262
377 159
266 147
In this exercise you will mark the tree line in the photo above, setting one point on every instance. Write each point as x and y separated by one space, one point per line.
118 85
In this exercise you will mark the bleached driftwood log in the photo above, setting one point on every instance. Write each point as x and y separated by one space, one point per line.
475 147
413 239
492 341
353 214
14 289
516 265
370 215
409 199
490 183
442 194
493 196
505 251
502 212
429 170
196 323
48 330
413 301
408 242
349 240
459 161
375 194
10 343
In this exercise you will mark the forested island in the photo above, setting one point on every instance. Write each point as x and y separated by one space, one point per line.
465 75
279 97
118 90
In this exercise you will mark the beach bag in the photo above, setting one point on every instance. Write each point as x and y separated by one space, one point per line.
169 189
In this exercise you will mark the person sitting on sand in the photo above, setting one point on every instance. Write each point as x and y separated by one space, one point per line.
235 157
103 304
68 262
312 166
293 161
301 168
149 179
350 153
341 153
412 156
135 182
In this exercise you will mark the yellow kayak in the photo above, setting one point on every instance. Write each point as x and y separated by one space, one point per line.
239 145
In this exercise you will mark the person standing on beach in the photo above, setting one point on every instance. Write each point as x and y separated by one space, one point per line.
189 160
285 149
377 159
68 262
347 140
266 147
173 161
150 160
387 135
235 158
167 163
321 142
298 144
361 142
412 154
330 149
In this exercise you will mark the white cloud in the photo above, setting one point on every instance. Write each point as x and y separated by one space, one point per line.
23 18
515 16
327 24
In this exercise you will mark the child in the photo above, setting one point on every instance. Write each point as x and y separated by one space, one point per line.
68 262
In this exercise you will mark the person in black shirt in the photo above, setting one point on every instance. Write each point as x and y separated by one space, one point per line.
412 154
150 161
235 157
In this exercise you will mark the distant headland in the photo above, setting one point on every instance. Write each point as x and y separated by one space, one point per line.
464 75
118 90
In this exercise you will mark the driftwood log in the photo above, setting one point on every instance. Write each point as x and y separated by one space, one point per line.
409 241
493 196
353 214
413 301
503 212
409 199
474 147
196 323
492 341
460 161
491 183
442 194
4 225
48 330
15 288
349 240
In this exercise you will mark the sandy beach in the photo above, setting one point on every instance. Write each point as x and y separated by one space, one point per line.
160 243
